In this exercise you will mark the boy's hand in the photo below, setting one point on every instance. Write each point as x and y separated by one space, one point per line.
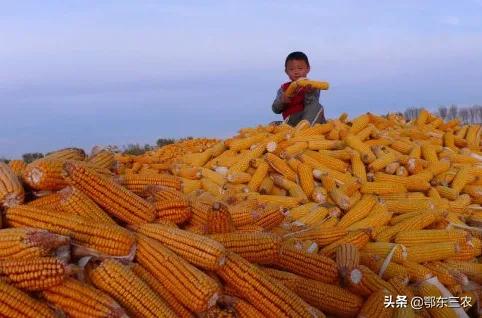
285 99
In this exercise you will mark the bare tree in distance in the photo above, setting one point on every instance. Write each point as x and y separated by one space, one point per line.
412 113
452 113
443 111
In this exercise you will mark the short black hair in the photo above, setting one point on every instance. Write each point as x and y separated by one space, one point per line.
297 56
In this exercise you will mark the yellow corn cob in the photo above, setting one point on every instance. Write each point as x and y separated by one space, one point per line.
321 169
402 146
33 274
359 211
430 236
313 266
383 267
44 174
162 291
293 188
327 161
354 142
242 161
50 201
426 289
340 199
219 219
138 183
446 192
378 217
323 144
102 237
431 252
112 197
256 247
358 167
67 154
266 186
322 236
417 272
313 218
29 242
198 250
443 274
325 297
130 291
374 306
357 238
213 176
258 176
462 178
15 303
280 166
238 177
380 188
284 201
269 215
193 288
383 161
305 177
11 191
188 186
267 295
410 205
242 308
347 258
383 249
472 270
74 201
319 195
416 223
177 211
103 159
472 133
363 281
293 150
292 88
17 166
78 299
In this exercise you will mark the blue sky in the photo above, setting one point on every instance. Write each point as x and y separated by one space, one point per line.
80 73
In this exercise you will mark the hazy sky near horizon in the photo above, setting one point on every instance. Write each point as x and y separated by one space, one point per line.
80 73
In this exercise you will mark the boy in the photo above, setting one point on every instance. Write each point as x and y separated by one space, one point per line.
305 103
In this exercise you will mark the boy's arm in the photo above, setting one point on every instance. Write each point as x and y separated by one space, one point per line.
313 107
278 105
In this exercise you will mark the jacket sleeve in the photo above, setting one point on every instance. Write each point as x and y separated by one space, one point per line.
313 107
278 105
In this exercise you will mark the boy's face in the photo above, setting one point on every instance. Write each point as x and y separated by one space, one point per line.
296 69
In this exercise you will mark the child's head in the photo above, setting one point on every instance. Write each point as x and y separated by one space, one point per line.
297 65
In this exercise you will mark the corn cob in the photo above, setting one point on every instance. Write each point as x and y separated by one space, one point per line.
67 154
112 197
358 212
130 291
327 161
358 167
363 281
242 308
417 272
444 275
193 288
374 306
293 188
322 236
378 217
269 216
280 166
74 201
33 274
472 270
50 201
162 291
347 258
266 294
426 289
256 247
430 236
313 266
357 238
290 91
415 223
17 166
177 212
383 249
138 183
384 267
219 219
102 237
103 159
81 300
381 188
29 242
354 142
11 191
432 252
15 303
198 250
258 176
305 177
